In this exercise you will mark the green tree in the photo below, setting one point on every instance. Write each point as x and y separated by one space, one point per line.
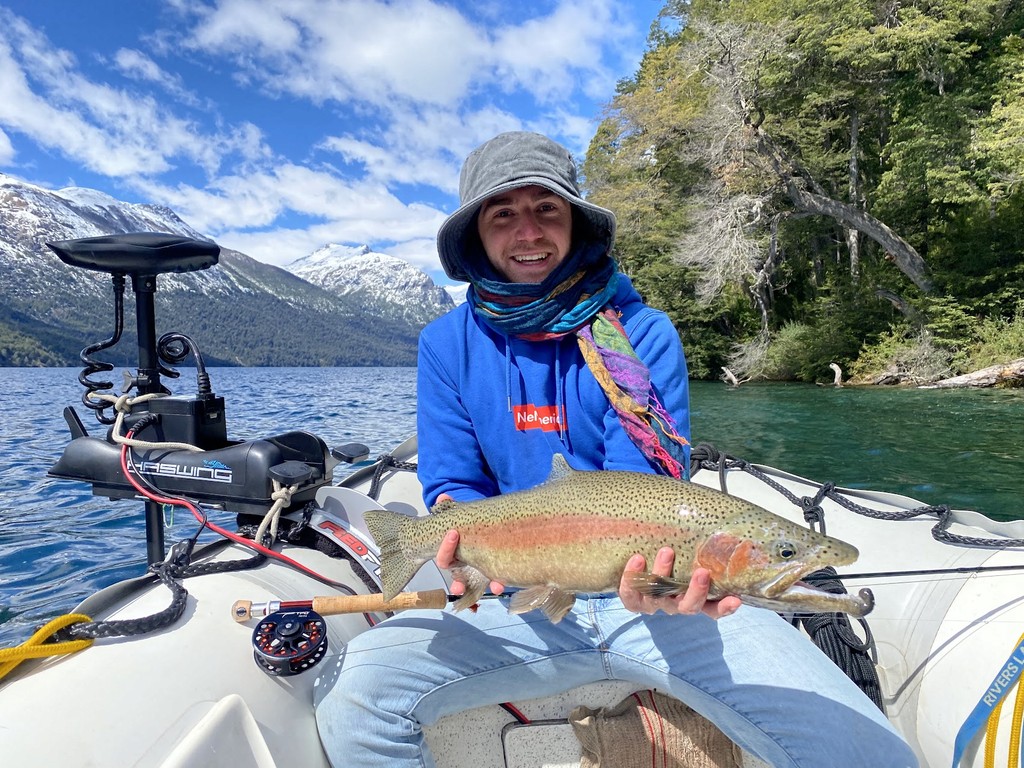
772 158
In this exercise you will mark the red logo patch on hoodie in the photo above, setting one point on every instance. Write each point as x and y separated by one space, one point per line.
542 417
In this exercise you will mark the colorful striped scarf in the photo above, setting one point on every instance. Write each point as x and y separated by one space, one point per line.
575 299
627 383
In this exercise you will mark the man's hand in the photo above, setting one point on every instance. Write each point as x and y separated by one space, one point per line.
694 600
446 559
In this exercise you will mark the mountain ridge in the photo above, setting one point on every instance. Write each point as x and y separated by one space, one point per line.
240 312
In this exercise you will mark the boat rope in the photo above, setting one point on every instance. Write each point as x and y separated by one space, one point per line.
36 646
1017 721
123 405
282 496
170 572
383 463
992 728
704 456
831 632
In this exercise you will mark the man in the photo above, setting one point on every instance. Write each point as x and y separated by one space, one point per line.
554 352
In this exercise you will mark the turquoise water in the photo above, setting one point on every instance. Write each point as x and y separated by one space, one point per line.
964 448
58 543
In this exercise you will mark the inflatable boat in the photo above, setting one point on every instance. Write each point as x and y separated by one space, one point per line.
218 655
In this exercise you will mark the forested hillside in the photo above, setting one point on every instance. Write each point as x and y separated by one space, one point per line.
801 182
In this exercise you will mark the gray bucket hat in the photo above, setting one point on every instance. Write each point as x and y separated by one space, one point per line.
508 161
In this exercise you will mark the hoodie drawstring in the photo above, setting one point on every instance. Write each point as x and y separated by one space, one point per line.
559 393
508 373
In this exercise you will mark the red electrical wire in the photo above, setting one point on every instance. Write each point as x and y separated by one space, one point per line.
179 502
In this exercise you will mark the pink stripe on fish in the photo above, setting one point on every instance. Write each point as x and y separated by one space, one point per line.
559 530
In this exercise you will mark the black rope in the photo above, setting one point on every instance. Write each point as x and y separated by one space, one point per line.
170 573
385 462
704 456
833 634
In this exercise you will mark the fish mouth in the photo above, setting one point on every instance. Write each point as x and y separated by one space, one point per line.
786 578
789 592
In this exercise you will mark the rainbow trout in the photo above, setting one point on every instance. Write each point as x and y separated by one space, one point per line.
575 532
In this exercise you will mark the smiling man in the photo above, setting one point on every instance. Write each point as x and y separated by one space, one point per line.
554 352
525 232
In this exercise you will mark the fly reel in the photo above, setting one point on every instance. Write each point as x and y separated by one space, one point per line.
289 642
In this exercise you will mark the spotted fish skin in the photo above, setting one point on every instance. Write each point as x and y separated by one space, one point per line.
575 532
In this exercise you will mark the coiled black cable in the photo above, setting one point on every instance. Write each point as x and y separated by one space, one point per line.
93 366
173 348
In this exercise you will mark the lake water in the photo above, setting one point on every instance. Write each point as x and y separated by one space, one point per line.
58 543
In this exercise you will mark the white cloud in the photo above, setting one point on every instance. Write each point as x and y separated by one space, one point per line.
424 146
408 86
107 130
244 212
551 56
365 50
388 55
136 65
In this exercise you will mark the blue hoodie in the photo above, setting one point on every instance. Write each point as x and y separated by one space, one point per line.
488 404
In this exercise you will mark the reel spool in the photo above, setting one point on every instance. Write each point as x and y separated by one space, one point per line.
289 642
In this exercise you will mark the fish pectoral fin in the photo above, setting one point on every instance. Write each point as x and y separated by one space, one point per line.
656 586
555 602
476 584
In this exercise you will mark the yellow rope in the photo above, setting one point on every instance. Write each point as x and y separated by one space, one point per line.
992 727
1018 714
36 648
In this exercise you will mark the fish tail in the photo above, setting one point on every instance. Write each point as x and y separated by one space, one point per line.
397 565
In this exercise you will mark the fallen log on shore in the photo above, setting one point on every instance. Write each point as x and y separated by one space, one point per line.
1002 375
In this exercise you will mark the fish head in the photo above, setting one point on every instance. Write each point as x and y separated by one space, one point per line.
763 555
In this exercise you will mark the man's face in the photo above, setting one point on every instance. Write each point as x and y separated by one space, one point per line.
526 232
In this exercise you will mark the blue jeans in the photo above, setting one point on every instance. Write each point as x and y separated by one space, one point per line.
755 676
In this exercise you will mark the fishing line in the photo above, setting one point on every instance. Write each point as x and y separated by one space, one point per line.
918 572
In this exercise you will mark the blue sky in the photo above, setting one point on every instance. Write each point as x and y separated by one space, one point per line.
277 126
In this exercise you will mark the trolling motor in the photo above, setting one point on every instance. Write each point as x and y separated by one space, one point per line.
234 475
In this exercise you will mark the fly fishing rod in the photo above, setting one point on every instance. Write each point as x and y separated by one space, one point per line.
243 610
291 635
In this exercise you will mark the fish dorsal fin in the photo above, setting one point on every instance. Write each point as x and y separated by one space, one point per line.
560 468
445 505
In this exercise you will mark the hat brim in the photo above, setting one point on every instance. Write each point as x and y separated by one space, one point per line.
452 236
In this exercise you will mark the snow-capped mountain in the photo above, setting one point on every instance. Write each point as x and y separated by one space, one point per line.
457 292
240 311
377 281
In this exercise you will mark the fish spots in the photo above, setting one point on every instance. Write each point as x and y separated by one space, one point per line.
542 532
575 532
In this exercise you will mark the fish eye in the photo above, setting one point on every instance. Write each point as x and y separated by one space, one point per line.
785 550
